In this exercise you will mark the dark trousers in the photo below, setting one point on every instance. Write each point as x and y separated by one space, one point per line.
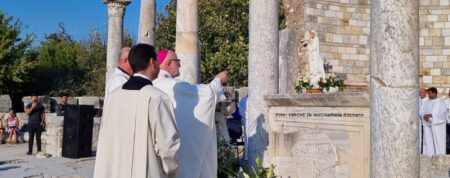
35 129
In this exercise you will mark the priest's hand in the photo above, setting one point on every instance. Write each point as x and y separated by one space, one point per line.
223 77
427 117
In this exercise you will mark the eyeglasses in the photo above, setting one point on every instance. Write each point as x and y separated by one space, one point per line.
178 61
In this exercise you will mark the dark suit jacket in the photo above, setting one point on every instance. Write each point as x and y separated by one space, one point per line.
136 83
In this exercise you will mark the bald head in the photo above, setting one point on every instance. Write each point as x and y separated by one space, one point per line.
422 93
123 60
171 64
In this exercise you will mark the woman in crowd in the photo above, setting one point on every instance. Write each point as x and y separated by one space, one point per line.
13 126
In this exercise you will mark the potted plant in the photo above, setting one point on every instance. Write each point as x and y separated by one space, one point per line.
302 85
331 85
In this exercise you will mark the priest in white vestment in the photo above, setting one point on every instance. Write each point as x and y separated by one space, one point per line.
423 98
139 137
194 107
121 73
434 124
447 103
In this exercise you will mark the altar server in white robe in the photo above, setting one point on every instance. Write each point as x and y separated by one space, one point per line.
434 124
139 138
121 73
423 98
194 107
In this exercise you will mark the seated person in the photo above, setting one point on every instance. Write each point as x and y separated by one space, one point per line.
13 127
1 130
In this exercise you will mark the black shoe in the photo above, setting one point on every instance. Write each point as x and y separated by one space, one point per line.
29 153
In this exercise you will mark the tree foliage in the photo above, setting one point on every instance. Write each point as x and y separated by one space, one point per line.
223 33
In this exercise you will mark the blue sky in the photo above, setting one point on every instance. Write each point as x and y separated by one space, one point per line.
42 16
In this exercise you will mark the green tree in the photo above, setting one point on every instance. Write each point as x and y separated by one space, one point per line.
223 33
56 66
16 58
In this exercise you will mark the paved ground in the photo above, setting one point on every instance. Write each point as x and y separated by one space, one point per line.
14 162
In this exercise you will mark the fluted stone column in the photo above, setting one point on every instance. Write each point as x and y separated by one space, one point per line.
262 72
187 45
147 22
394 81
116 11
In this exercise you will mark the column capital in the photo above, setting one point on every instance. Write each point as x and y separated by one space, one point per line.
116 8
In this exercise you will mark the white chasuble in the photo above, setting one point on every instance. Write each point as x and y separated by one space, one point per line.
194 107
139 137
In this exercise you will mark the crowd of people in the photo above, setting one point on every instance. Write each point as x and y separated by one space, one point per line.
434 116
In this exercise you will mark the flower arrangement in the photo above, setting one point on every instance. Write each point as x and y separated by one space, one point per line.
332 82
303 83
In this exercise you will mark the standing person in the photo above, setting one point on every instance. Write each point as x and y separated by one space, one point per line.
423 98
194 107
13 126
36 119
1 130
139 138
60 107
447 103
120 74
434 124
243 113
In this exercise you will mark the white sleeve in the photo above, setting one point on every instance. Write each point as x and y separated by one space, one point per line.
216 85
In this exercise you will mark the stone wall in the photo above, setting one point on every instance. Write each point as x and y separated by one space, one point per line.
435 44
343 27
344 32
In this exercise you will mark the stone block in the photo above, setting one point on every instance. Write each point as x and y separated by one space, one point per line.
366 17
437 51
340 15
425 2
432 58
434 32
439 79
427 52
363 40
97 102
424 72
432 18
421 41
442 18
447 41
428 41
435 2
446 72
436 12
443 58
5 103
446 32
438 25
438 41
447 25
427 79
337 38
435 71
446 52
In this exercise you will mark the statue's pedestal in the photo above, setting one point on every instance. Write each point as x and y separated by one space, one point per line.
319 135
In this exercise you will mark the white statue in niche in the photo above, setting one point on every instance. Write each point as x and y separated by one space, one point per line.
315 62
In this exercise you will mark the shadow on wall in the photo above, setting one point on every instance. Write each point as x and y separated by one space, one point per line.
260 140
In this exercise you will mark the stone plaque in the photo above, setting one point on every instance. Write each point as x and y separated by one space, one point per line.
319 141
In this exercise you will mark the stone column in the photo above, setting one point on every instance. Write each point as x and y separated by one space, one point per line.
147 22
394 88
187 45
287 61
116 11
262 73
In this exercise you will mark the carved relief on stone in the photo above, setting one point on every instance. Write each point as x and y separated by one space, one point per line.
117 9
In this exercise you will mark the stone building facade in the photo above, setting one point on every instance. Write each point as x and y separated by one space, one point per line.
344 32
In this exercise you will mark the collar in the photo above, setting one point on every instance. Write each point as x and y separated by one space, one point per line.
165 73
123 70
141 75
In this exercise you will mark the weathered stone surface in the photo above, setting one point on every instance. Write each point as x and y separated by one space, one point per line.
187 42
5 103
437 166
287 61
353 99
263 73
394 87
97 102
147 23
319 141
